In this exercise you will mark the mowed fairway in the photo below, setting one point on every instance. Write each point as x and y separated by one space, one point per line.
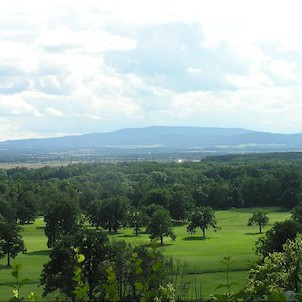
200 258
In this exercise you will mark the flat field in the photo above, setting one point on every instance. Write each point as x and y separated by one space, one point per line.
199 259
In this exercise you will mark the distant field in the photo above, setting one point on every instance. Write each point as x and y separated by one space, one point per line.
36 165
202 268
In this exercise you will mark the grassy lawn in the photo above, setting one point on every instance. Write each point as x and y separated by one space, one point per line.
200 259
32 261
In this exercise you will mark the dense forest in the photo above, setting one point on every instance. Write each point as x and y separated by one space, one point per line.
143 195
178 187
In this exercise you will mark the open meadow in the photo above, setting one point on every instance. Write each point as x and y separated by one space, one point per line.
200 265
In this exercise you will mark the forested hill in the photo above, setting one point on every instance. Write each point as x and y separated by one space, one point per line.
164 139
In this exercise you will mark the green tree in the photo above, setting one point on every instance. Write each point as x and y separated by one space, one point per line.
62 217
158 196
275 237
203 218
160 225
136 219
11 243
7 212
181 203
259 217
109 213
279 272
297 213
59 271
27 207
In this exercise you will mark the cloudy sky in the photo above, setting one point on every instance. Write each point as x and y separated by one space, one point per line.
73 67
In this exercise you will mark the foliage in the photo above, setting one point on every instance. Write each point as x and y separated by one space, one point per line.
149 268
58 273
203 218
275 237
279 271
259 217
181 203
11 243
18 284
109 213
7 212
297 213
27 207
160 225
81 289
62 218
136 219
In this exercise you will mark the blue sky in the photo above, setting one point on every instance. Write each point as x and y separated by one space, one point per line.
72 67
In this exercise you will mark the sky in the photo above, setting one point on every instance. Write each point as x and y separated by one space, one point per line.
75 67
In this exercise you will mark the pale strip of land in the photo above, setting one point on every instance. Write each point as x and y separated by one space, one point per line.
36 165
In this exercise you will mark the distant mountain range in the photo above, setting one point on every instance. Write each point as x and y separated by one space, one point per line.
162 139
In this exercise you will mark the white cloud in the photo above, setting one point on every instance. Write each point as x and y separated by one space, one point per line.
15 106
53 111
111 64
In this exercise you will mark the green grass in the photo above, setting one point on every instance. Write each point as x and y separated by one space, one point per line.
200 258
32 261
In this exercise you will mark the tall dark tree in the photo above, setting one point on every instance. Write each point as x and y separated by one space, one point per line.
160 225
11 243
58 272
27 207
62 217
7 212
109 213
180 204
203 218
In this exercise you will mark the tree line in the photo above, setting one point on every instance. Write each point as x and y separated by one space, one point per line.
179 188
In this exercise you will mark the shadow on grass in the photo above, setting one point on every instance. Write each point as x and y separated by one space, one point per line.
39 253
40 227
179 223
112 233
257 233
129 236
2 266
193 238
157 245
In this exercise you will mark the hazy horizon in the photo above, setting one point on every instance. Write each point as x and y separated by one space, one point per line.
74 67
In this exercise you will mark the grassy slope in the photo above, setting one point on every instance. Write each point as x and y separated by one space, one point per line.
202 267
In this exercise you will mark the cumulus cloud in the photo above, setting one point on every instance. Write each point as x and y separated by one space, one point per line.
92 66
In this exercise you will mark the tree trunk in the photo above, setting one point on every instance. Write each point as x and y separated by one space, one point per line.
161 240
203 233
8 259
260 228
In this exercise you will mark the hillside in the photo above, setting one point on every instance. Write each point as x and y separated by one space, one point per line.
160 140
